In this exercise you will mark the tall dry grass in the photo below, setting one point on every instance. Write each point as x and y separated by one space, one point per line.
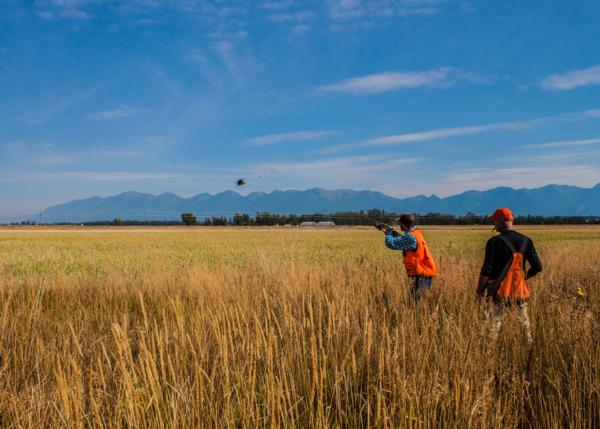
246 328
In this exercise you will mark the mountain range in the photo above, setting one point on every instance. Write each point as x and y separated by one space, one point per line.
546 201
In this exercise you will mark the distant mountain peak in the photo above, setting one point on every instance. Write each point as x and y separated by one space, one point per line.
547 200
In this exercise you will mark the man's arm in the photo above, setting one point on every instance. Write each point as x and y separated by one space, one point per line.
535 266
486 268
400 241
483 280
385 228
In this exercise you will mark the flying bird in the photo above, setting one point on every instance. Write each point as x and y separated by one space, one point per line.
240 182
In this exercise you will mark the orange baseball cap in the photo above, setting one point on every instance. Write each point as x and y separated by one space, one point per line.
502 214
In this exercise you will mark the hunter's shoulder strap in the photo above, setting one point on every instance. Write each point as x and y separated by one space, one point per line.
504 271
524 244
513 250
508 243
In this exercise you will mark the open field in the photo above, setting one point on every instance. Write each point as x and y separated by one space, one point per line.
276 327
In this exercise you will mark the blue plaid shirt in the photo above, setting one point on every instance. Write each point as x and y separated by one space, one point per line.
405 241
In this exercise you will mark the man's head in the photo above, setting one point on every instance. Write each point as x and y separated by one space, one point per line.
406 221
502 218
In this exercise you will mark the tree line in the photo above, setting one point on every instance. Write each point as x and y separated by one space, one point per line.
350 218
369 217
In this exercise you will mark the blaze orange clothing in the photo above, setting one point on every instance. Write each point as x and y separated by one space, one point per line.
498 254
512 279
419 262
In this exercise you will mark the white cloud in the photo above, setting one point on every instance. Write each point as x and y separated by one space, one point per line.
44 14
66 9
59 105
468 130
392 81
563 143
13 145
347 164
572 79
301 16
119 153
55 159
420 3
301 29
530 176
289 137
225 50
198 56
467 7
299 22
592 113
74 14
562 156
417 11
49 159
277 5
111 115
357 172
87 176
348 10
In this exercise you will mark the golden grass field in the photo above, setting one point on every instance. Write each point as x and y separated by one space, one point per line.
287 328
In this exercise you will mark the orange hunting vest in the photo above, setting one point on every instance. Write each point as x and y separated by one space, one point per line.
512 279
419 262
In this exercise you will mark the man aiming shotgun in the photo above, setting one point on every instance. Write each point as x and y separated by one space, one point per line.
418 262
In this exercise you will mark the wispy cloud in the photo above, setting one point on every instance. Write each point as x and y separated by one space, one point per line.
59 105
563 143
572 79
224 50
519 176
295 136
417 11
119 153
371 171
87 176
393 81
64 10
55 159
13 144
561 156
74 14
47 154
442 133
300 16
235 55
349 10
349 164
111 115
276 5
298 21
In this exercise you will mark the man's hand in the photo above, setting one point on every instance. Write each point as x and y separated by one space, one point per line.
386 228
482 285
383 227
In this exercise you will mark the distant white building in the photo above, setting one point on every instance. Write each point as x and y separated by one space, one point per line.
321 224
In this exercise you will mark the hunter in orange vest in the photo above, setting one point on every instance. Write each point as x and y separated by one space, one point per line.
503 279
418 262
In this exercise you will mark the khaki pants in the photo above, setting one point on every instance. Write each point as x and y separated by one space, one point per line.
495 312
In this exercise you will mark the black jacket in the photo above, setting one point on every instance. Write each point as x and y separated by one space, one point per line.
498 255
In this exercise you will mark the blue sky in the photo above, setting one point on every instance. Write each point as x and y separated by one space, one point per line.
410 96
